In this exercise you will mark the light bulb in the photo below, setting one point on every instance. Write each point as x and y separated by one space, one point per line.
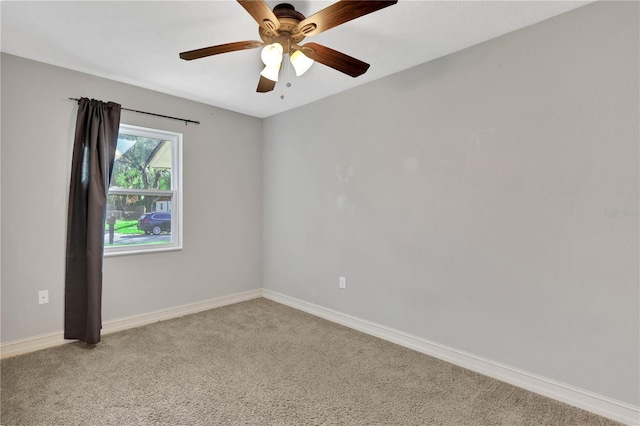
301 63
272 54
271 72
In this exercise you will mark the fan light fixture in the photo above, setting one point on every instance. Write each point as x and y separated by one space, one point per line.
271 72
272 54
301 63
272 58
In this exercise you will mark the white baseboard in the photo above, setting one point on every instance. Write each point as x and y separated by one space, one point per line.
598 404
178 311
48 340
32 344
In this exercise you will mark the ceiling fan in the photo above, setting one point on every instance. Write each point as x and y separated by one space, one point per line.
283 28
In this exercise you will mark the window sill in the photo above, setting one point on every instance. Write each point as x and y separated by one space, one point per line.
141 251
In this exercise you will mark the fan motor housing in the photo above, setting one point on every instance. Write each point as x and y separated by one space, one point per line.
288 32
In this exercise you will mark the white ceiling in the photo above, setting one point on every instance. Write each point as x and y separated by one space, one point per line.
138 43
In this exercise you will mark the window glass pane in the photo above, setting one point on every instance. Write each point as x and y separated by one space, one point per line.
141 163
138 220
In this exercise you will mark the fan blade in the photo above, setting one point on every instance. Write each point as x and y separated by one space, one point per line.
221 48
265 85
334 59
339 13
262 13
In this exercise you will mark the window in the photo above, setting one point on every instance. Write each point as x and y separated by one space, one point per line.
144 203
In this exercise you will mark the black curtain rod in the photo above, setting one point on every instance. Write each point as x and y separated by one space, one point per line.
186 121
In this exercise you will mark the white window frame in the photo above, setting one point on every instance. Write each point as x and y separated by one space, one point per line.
175 193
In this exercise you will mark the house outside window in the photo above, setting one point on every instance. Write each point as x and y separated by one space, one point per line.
144 202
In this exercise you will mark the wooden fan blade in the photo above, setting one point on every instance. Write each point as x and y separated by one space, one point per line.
262 13
265 85
221 48
339 13
334 59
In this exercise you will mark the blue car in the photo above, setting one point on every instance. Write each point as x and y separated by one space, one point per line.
155 223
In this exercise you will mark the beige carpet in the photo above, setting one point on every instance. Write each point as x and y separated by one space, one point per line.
261 363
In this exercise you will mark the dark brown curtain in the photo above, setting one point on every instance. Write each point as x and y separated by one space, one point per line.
93 155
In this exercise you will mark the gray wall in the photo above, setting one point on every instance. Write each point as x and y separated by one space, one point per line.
222 200
486 200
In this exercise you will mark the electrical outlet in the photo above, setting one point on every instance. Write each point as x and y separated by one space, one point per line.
43 297
343 282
